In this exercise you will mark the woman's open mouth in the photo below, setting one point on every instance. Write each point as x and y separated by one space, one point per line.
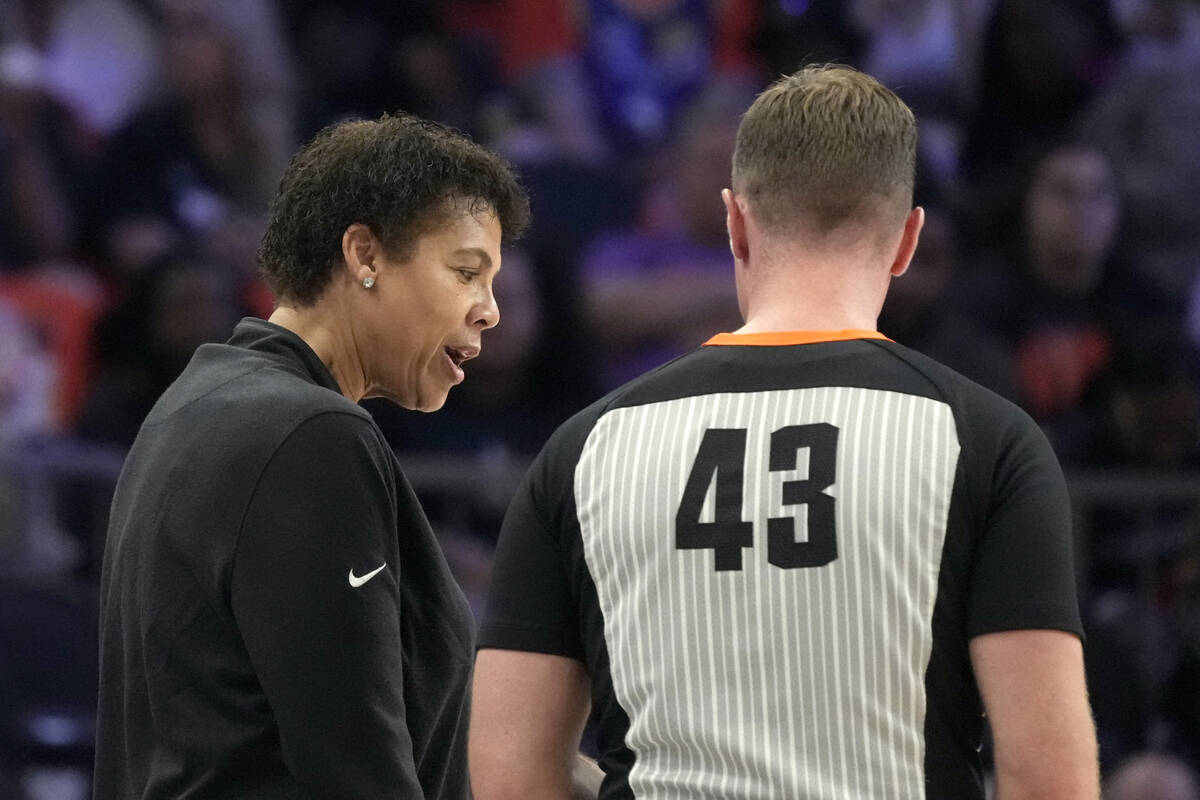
456 356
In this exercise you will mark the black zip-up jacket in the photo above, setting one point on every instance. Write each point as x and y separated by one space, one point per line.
277 619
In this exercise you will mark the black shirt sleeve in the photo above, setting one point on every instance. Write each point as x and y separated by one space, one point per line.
1022 572
531 604
327 652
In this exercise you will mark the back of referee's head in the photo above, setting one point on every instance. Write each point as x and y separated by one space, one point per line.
825 149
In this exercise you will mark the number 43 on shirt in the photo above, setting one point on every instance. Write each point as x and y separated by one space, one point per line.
721 458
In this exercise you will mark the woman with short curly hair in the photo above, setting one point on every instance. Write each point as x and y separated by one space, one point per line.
277 619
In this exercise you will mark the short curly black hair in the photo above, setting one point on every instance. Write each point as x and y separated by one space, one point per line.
400 175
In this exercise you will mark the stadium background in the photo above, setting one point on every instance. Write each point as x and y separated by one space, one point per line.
140 141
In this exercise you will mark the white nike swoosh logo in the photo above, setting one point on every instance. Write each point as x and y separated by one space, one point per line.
356 581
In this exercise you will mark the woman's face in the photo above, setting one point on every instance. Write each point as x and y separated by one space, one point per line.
425 316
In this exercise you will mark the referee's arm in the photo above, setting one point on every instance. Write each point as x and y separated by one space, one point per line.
532 692
528 713
1032 685
1025 635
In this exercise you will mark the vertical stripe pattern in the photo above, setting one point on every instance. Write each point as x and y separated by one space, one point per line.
803 682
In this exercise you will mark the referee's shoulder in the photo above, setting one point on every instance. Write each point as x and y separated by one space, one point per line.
977 409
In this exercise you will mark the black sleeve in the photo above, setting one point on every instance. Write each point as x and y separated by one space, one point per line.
1023 574
328 653
531 605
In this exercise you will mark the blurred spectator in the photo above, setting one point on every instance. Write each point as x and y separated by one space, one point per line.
1155 402
656 292
26 412
39 198
1143 654
920 312
71 72
262 62
798 32
1041 61
59 303
602 77
360 58
202 163
1149 120
916 47
1053 295
27 378
170 309
1157 31
1152 776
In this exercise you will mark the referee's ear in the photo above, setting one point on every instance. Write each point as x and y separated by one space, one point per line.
908 241
735 223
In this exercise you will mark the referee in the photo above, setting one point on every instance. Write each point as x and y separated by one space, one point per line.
802 561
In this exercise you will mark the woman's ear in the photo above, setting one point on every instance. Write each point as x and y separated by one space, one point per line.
359 251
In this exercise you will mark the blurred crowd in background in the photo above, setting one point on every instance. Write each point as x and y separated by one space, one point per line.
1059 166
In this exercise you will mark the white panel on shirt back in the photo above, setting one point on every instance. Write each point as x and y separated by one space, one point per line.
766 682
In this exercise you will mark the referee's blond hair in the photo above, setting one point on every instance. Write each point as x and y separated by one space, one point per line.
824 148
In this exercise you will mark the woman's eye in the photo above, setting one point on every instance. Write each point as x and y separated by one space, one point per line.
467 275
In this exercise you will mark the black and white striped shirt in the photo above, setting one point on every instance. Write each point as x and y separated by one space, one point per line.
771 553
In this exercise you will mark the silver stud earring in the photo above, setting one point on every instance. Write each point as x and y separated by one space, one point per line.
368 282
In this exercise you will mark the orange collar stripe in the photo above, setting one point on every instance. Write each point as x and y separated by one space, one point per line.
777 338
